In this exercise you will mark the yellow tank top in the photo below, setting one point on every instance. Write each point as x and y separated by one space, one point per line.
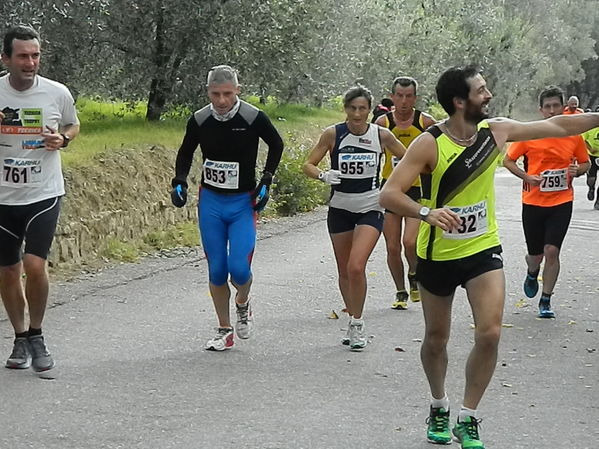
405 136
463 180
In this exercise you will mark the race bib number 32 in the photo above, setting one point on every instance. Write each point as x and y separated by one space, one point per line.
224 175
358 165
554 180
17 172
473 220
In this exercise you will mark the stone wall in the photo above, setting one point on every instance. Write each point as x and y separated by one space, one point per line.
123 196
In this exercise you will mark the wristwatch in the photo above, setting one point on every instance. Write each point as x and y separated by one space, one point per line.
321 176
65 140
423 213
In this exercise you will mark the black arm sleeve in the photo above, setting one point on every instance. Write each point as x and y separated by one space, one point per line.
186 151
269 134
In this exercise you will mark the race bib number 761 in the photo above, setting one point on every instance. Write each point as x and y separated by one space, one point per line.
17 172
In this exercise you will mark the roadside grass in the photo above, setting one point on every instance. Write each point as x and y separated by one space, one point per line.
106 126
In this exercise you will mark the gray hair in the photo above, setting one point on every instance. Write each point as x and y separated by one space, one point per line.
221 74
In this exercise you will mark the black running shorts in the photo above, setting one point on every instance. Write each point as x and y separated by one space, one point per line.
545 226
341 220
441 278
33 223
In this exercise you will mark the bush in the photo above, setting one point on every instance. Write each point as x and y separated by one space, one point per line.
293 191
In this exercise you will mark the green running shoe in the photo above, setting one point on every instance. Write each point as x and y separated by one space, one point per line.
466 432
438 426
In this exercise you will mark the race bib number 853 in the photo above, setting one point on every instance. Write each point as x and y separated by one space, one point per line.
224 175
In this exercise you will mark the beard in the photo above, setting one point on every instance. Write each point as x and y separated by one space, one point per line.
474 113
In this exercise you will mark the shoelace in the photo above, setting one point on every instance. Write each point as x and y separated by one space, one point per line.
221 333
439 422
38 347
20 350
243 313
472 428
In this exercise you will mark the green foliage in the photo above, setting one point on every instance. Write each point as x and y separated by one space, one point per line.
437 111
293 191
119 250
141 50
184 234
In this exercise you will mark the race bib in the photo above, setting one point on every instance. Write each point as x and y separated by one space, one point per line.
358 165
17 172
473 221
224 175
554 180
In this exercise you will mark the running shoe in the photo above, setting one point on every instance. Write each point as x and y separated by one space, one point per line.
222 340
345 340
357 335
545 308
591 194
20 357
531 285
401 300
41 360
438 426
245 320
466 432
414 293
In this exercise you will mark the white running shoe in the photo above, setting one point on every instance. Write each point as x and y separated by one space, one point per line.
245 320
222 340
357 335
345 339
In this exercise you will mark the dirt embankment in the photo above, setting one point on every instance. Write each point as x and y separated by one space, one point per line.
120 196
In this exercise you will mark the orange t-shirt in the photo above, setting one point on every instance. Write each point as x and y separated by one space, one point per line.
576 111
550 159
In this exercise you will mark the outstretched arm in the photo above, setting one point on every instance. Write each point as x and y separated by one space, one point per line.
508 130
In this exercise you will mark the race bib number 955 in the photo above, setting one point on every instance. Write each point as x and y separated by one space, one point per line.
224 175
357 165
17 172
473 221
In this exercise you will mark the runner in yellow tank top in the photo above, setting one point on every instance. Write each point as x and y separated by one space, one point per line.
406 123
455 161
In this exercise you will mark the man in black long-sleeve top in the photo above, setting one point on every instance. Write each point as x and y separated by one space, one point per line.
228 132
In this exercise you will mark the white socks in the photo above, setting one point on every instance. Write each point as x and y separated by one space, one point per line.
465 412
441 403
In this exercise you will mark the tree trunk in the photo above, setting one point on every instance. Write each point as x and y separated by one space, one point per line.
156 99
159 86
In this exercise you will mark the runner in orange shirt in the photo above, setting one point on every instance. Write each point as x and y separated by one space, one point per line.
547 195
572 106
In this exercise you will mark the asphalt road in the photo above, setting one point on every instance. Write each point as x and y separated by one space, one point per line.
131 371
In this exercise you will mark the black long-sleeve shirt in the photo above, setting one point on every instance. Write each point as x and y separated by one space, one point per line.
234 140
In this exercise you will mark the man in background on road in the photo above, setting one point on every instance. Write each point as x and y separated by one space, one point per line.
458 240
547 195
38 119
228 131
572 106
591 140
406 123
